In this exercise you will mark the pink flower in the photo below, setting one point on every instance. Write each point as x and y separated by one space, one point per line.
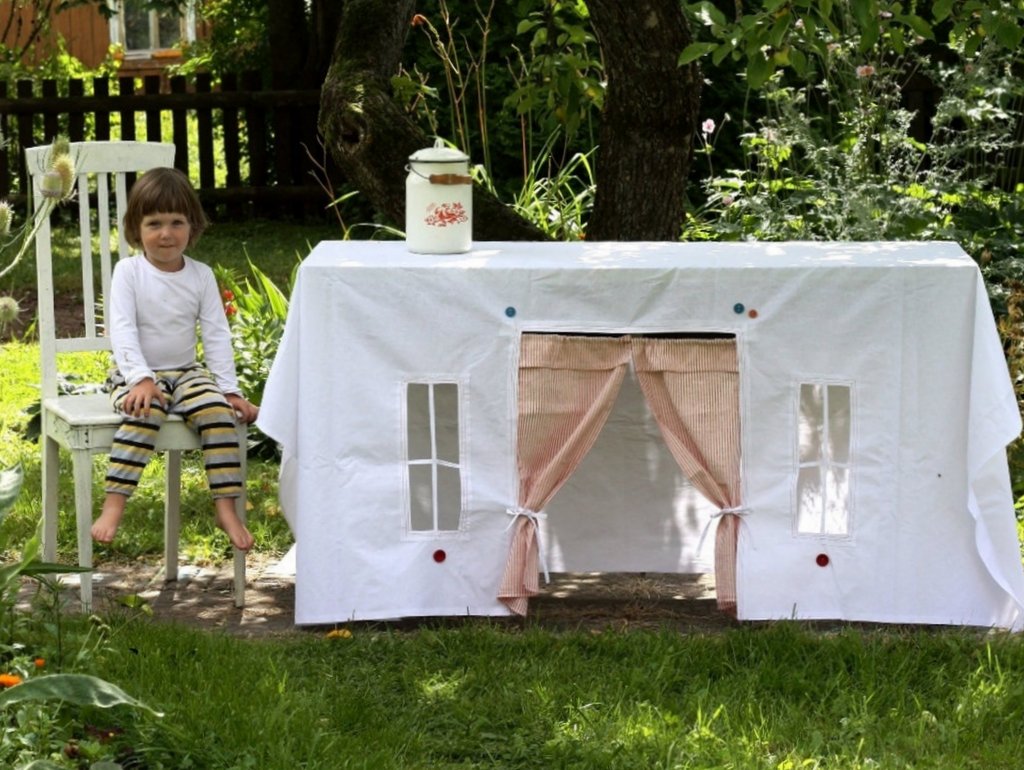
707 127
865 71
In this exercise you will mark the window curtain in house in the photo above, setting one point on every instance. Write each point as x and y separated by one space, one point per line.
692 388
567 386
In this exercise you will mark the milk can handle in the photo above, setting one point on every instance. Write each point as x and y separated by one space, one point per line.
441 178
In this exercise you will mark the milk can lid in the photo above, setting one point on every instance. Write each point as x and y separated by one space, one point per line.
439 153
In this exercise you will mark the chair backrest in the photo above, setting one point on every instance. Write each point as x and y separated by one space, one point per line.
101 169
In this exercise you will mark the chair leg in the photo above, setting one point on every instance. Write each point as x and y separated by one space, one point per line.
240 505
50 474
172 515
82 464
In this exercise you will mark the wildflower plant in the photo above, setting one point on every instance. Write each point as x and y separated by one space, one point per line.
32 696
838 154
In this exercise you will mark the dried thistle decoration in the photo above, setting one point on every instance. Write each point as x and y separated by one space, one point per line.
9 310
57 185
6 218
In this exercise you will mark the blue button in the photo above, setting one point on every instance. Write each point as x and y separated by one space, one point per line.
738 308
510 312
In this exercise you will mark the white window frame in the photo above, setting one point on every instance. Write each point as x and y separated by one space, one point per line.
825 463
434 462
118 35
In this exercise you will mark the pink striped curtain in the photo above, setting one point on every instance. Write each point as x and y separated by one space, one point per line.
567 386
692 388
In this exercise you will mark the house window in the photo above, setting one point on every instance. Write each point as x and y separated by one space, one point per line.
435 483
823 479
141 30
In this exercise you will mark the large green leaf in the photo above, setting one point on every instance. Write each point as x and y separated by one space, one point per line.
941 9
694 51
45 764
79 689
51 568
10 485
759 69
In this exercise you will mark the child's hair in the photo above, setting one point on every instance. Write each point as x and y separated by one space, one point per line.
162 191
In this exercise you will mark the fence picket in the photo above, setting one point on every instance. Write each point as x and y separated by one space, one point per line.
257 134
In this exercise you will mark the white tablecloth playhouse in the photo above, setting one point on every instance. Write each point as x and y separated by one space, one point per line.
821 425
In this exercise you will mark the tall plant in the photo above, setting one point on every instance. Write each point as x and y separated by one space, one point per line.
540 56
838 155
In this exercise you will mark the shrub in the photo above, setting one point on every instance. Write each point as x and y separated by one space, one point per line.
256 308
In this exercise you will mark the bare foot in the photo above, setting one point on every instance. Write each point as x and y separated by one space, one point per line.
233 527
105 527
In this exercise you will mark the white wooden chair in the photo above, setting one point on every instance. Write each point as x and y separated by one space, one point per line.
85 424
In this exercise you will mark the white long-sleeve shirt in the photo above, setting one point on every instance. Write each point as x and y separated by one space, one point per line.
152 317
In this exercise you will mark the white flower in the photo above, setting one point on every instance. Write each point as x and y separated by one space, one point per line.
707 127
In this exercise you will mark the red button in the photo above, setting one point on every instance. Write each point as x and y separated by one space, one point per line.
440 556
822 560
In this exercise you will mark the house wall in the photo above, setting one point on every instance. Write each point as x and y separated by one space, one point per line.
84 30
86 34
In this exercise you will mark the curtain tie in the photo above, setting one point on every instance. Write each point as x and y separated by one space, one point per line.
535 517
738 510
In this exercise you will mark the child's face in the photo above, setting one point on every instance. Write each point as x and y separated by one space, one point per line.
164 239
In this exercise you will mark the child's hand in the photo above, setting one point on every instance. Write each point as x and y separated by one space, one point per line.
246 412
139 399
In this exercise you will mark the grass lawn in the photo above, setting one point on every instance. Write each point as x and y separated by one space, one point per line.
487 695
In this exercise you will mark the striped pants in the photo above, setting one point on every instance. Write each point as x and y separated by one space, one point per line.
192 393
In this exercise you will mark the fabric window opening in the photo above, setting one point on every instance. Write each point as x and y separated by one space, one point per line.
567 387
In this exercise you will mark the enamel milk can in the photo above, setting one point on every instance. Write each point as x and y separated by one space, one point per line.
438 201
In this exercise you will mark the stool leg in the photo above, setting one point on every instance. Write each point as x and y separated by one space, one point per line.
172 515
82 462
50 474
240 505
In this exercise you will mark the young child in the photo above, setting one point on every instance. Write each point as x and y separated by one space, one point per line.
156 300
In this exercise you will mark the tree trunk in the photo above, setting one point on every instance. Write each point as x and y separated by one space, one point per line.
649 120
369 135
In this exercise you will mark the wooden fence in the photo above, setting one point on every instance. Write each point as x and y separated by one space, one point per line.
266 140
